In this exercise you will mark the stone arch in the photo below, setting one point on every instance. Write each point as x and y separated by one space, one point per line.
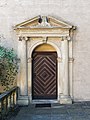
48 42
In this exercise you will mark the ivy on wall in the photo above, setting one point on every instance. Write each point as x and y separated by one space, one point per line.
8 67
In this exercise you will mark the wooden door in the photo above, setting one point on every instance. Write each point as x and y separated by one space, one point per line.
44 78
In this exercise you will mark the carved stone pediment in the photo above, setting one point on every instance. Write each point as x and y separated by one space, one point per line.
43 26
43 22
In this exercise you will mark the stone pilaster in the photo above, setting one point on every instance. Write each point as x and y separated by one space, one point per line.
30 79
65 98
23 97
59 60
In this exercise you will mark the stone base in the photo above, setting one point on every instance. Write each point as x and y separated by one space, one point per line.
65 100
23 100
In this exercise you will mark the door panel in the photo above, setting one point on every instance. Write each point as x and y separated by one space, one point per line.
44 70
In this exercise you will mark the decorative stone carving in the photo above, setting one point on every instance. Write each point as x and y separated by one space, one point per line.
23 38
71 60
20 38
45 39
59 59
43 22
66 38
29 60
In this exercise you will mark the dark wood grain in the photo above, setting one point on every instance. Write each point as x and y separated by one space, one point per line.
44 83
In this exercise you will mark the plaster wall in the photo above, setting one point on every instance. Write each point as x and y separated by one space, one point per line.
76 12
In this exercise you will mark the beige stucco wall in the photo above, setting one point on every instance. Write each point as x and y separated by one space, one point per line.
76 12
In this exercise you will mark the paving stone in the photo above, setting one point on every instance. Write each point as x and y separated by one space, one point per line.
77 111
87 111
60 117
78 118
59 111
86 106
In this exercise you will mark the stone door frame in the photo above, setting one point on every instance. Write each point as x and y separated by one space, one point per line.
62 81
30 64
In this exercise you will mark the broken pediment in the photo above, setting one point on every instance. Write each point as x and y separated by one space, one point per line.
43 22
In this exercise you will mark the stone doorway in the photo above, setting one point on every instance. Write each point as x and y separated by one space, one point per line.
45 30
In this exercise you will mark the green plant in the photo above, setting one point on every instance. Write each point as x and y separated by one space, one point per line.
8 67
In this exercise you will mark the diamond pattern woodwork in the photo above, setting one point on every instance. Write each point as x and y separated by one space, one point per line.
44 84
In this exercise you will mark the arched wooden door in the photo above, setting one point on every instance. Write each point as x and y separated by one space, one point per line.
44 75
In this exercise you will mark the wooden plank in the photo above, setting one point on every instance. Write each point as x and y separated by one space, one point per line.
44 84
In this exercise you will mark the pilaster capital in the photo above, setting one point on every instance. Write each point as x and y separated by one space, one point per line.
59 59
29 60
68 38
23 38
71 60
